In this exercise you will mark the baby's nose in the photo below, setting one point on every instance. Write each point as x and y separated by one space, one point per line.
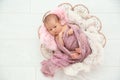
54 30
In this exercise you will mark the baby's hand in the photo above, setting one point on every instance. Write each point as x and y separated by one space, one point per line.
70 32
78 50
75 55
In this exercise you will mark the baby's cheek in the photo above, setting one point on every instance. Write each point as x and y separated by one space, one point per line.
52 33
59 30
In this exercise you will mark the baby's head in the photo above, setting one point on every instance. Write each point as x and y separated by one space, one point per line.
52 24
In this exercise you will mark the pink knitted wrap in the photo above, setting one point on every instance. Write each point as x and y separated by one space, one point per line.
45 37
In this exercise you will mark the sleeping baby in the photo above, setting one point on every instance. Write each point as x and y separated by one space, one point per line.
72 44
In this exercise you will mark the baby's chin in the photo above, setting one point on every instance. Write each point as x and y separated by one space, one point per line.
56 35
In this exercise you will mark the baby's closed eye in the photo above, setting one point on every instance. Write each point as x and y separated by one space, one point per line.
55 26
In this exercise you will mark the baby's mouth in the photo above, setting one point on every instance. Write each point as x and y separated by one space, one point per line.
56 34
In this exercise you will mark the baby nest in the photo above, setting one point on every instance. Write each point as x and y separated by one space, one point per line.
91 26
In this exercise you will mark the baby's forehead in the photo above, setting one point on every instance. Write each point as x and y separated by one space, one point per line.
51 17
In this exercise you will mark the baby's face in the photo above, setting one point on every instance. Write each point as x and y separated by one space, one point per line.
54 27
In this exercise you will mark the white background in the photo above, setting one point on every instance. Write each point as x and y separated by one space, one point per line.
19 44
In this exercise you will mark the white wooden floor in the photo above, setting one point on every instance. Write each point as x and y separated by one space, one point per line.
19 44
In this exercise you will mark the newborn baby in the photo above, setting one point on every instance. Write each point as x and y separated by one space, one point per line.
72 44
57 30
